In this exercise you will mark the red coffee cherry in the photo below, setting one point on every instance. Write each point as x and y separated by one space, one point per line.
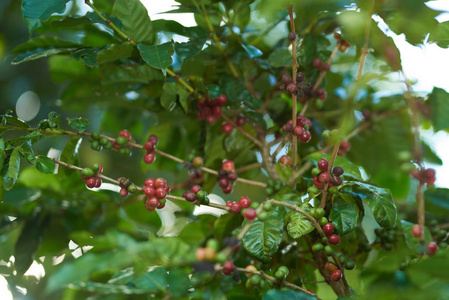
123 192
160 193
431 248
91 182
229 203
222 100
228 267
328 229
150 182
317 63
292 87
191 197
149 146
245 202
305 137
338 171
223 182
416 231
154 139
286 78
232 176
336 275
148 158
334 239
345 145
228 166
298 131
235 208
227 189
149 191
323 164
227 127
317 182
250 214
160 182
301 121
285 160
125 133
324 177
240 121
195 189
98 182
330 267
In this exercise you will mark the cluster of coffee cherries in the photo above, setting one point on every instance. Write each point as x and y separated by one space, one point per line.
98 142
343 43
196 194
149 146
426 176
196 176
386 238
210 109
228 126
155 191
226 176
321 176
121 142
274 186
209 253
300 88
301 130
244 203
90 175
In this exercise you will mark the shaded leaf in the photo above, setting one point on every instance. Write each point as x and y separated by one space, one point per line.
45 164
2 153
13 169
42 9
343 216
114 52
437 201
286 295
413 242
263 237
135 19
158 56
79 124
178 283
70 154
439 101
298 224
252 51
281 57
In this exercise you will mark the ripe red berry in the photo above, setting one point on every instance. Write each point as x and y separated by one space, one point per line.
148 158
227 189
323 96
191 197
285 160
216 111
323 164
152 203
222 100
317 182
326 67
240 121
235 208
328 229
299 77
245 202
98 182
317 63
431 248
160 182
232 176
287 128
154 139
250 214
292 87
228 267
305 137
416 231
223 182
167 188
301 121
286 79
298 131
125 133
90 182
228 166
338 171
337 36
324 177
429 173
345 145
123 192
229 203
195 189
334 239
160 193
227 127
149 146
149 182
330 267
336 275
149 191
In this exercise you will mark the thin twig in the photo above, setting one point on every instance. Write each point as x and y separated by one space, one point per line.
294 112
243 131
365 45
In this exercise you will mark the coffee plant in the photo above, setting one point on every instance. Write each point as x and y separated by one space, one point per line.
272 151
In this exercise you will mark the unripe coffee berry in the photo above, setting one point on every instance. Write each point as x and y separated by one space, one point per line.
197 162
87 172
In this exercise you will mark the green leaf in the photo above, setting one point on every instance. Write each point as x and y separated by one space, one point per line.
114 52
188 49
105 288
178 283
281 57
27 152
439 101
263 238
168 97
135 19
2 153
70 154
343 216
158 56
13 170
286 295
429 155
288 194
379 201
42 9
237 93
252 51
437 201
79 124
426 272
45 164
351 170
440 35
298 224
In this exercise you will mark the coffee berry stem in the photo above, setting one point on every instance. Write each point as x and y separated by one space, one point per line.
270 278
329 169
294 98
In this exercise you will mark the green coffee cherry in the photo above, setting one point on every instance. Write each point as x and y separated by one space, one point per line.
284 269
313 190
316 171
95 145
269 191
255 280
319 213
270 182
350 265
328 250
262 216
124 151
280 275
213 243
87 172
342 259
221 257
132 188
109 145
323 221
317 247
121 141
267 206
312 212
324 240
95 135
326 134
96 168
333 190
201 195
103 140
